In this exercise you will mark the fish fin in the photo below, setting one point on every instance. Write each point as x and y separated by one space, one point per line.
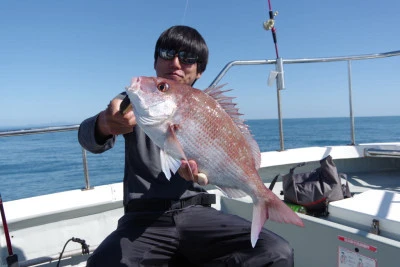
226 103
169 164
173 150
275 210
232 192
172 145
260 216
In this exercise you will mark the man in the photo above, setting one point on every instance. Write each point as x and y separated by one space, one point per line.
171 223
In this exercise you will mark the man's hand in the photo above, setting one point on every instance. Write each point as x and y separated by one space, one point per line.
194 176
112 122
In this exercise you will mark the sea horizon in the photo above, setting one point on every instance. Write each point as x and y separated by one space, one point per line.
52 162
67 124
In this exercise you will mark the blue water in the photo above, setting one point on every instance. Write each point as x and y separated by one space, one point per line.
39 164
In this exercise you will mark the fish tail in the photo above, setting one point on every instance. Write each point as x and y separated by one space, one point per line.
274 209
260 216
278 211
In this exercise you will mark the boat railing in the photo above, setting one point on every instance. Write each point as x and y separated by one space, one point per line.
280 80
280 85
383 153
52 130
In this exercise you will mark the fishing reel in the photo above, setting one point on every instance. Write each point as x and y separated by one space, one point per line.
269 24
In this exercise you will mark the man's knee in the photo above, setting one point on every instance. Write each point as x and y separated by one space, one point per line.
99 260
285 256
276 250
107 254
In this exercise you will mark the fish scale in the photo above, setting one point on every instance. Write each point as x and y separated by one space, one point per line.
192 146
187 123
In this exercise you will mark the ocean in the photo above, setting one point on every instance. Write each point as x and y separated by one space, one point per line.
38 164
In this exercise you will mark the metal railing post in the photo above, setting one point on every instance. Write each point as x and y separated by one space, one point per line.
280 85
353 138
85 170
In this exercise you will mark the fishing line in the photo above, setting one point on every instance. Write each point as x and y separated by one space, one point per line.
184 12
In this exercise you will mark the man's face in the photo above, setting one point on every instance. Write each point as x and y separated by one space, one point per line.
175 70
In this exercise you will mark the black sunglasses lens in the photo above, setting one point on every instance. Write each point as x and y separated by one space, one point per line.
184 57
187 58
167 54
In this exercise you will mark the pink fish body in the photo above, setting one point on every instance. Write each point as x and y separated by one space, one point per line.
187 123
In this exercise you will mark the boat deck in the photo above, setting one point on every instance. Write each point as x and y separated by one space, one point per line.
362 173
364 226
363 181
383 180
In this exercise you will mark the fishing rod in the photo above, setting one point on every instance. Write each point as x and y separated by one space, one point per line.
279 73
270 25
12 259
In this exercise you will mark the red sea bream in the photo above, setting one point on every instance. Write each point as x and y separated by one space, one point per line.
187 123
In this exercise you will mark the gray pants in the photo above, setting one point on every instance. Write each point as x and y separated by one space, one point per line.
193 236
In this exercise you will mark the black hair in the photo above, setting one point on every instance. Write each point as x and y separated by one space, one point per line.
184 38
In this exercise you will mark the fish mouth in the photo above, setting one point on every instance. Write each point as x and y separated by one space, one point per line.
126 103
133 92
147 107
135 85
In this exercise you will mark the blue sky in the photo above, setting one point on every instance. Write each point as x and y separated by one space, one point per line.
62 61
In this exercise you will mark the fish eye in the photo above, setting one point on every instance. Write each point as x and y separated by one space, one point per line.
163 87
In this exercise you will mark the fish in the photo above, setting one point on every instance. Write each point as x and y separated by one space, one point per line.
206 126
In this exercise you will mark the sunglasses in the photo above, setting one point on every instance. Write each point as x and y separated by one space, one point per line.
183 56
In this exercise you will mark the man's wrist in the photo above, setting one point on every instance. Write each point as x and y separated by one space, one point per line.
102 131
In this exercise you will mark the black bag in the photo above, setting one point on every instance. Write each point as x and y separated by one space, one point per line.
315 189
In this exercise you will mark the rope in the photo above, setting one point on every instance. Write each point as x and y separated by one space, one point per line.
85 247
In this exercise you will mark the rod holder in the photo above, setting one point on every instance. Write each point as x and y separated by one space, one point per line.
280 79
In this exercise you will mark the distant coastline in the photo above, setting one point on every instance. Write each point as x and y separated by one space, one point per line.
34 126
318 118
66 124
